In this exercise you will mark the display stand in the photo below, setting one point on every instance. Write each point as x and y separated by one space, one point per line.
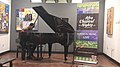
83 55
86 39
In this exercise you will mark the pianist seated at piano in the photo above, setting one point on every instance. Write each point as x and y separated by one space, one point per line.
25 41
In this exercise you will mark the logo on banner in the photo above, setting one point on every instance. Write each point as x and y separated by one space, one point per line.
87 22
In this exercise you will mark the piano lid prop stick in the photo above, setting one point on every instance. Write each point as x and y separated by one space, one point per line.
36 20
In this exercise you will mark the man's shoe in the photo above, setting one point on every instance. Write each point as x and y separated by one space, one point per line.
33 57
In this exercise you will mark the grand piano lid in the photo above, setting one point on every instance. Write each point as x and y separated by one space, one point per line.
54 21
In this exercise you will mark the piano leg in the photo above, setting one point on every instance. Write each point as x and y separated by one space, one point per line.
38 51
41 51
50 48
65 52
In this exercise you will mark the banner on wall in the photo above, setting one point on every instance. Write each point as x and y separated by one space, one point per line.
4 18
24 17
87 32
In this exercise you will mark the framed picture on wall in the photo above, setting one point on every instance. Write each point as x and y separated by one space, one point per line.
110 20
4 18
24 17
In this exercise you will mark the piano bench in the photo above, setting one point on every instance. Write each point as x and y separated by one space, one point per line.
6 60
19 49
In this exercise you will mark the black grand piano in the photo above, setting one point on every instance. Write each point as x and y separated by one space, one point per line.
64 32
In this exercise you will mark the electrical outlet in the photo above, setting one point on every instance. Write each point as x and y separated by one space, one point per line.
2 45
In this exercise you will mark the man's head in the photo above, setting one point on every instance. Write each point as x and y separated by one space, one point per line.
31 26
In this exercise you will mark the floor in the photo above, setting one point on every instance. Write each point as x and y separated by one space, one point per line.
56 60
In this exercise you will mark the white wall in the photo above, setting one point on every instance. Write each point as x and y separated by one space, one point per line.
112 45
5 38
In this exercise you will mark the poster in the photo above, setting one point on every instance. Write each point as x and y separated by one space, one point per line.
110 20
86 42
4 18
24 17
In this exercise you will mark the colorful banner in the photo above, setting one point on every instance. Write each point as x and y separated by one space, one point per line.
87 32
24 17
4 18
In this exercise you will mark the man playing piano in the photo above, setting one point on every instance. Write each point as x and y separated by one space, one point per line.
25 41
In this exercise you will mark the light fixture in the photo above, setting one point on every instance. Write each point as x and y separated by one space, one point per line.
62 1
76 1
36 1
50 1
